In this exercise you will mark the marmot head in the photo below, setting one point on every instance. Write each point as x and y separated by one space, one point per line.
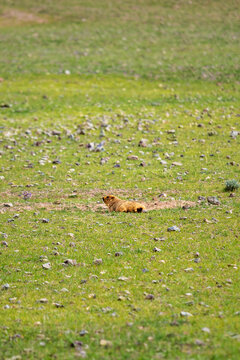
109 198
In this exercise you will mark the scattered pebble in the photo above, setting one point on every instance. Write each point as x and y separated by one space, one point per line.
132 157
143 143
206 329
149 297
213 200
70 262
173 228
105 343
185 313
43 301
83 332
8 205
5 287
46 266
58 305
45 221
97 261
118 253
199 342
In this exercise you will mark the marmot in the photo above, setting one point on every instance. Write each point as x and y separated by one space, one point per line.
116 204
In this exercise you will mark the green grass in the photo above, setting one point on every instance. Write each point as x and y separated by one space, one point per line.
168 40
118 92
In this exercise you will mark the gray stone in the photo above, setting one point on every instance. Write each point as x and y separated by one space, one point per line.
213 200
173 228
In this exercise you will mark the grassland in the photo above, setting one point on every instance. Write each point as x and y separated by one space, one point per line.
88 73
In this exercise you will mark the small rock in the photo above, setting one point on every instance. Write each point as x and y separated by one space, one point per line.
207 221
45 221
149 297
173 228
83 332
56 132
143 143
175 163
212 133
97 261
184 313
186 207
43 301
8 205
118 253
213 200
163 162
104 160
58 305
46 266
13 300
105 343
156 249
159 239
77 344
70 262
206 329
5 287
122 278
199 342
4 243
234 134
56 161
132 157
162 195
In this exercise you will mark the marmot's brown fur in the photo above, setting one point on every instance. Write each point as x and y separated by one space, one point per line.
116 204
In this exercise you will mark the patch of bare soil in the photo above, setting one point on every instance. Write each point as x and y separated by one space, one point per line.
13 17
158 205
154 205
87 193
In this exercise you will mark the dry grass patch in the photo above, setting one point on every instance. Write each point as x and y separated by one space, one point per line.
12 17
